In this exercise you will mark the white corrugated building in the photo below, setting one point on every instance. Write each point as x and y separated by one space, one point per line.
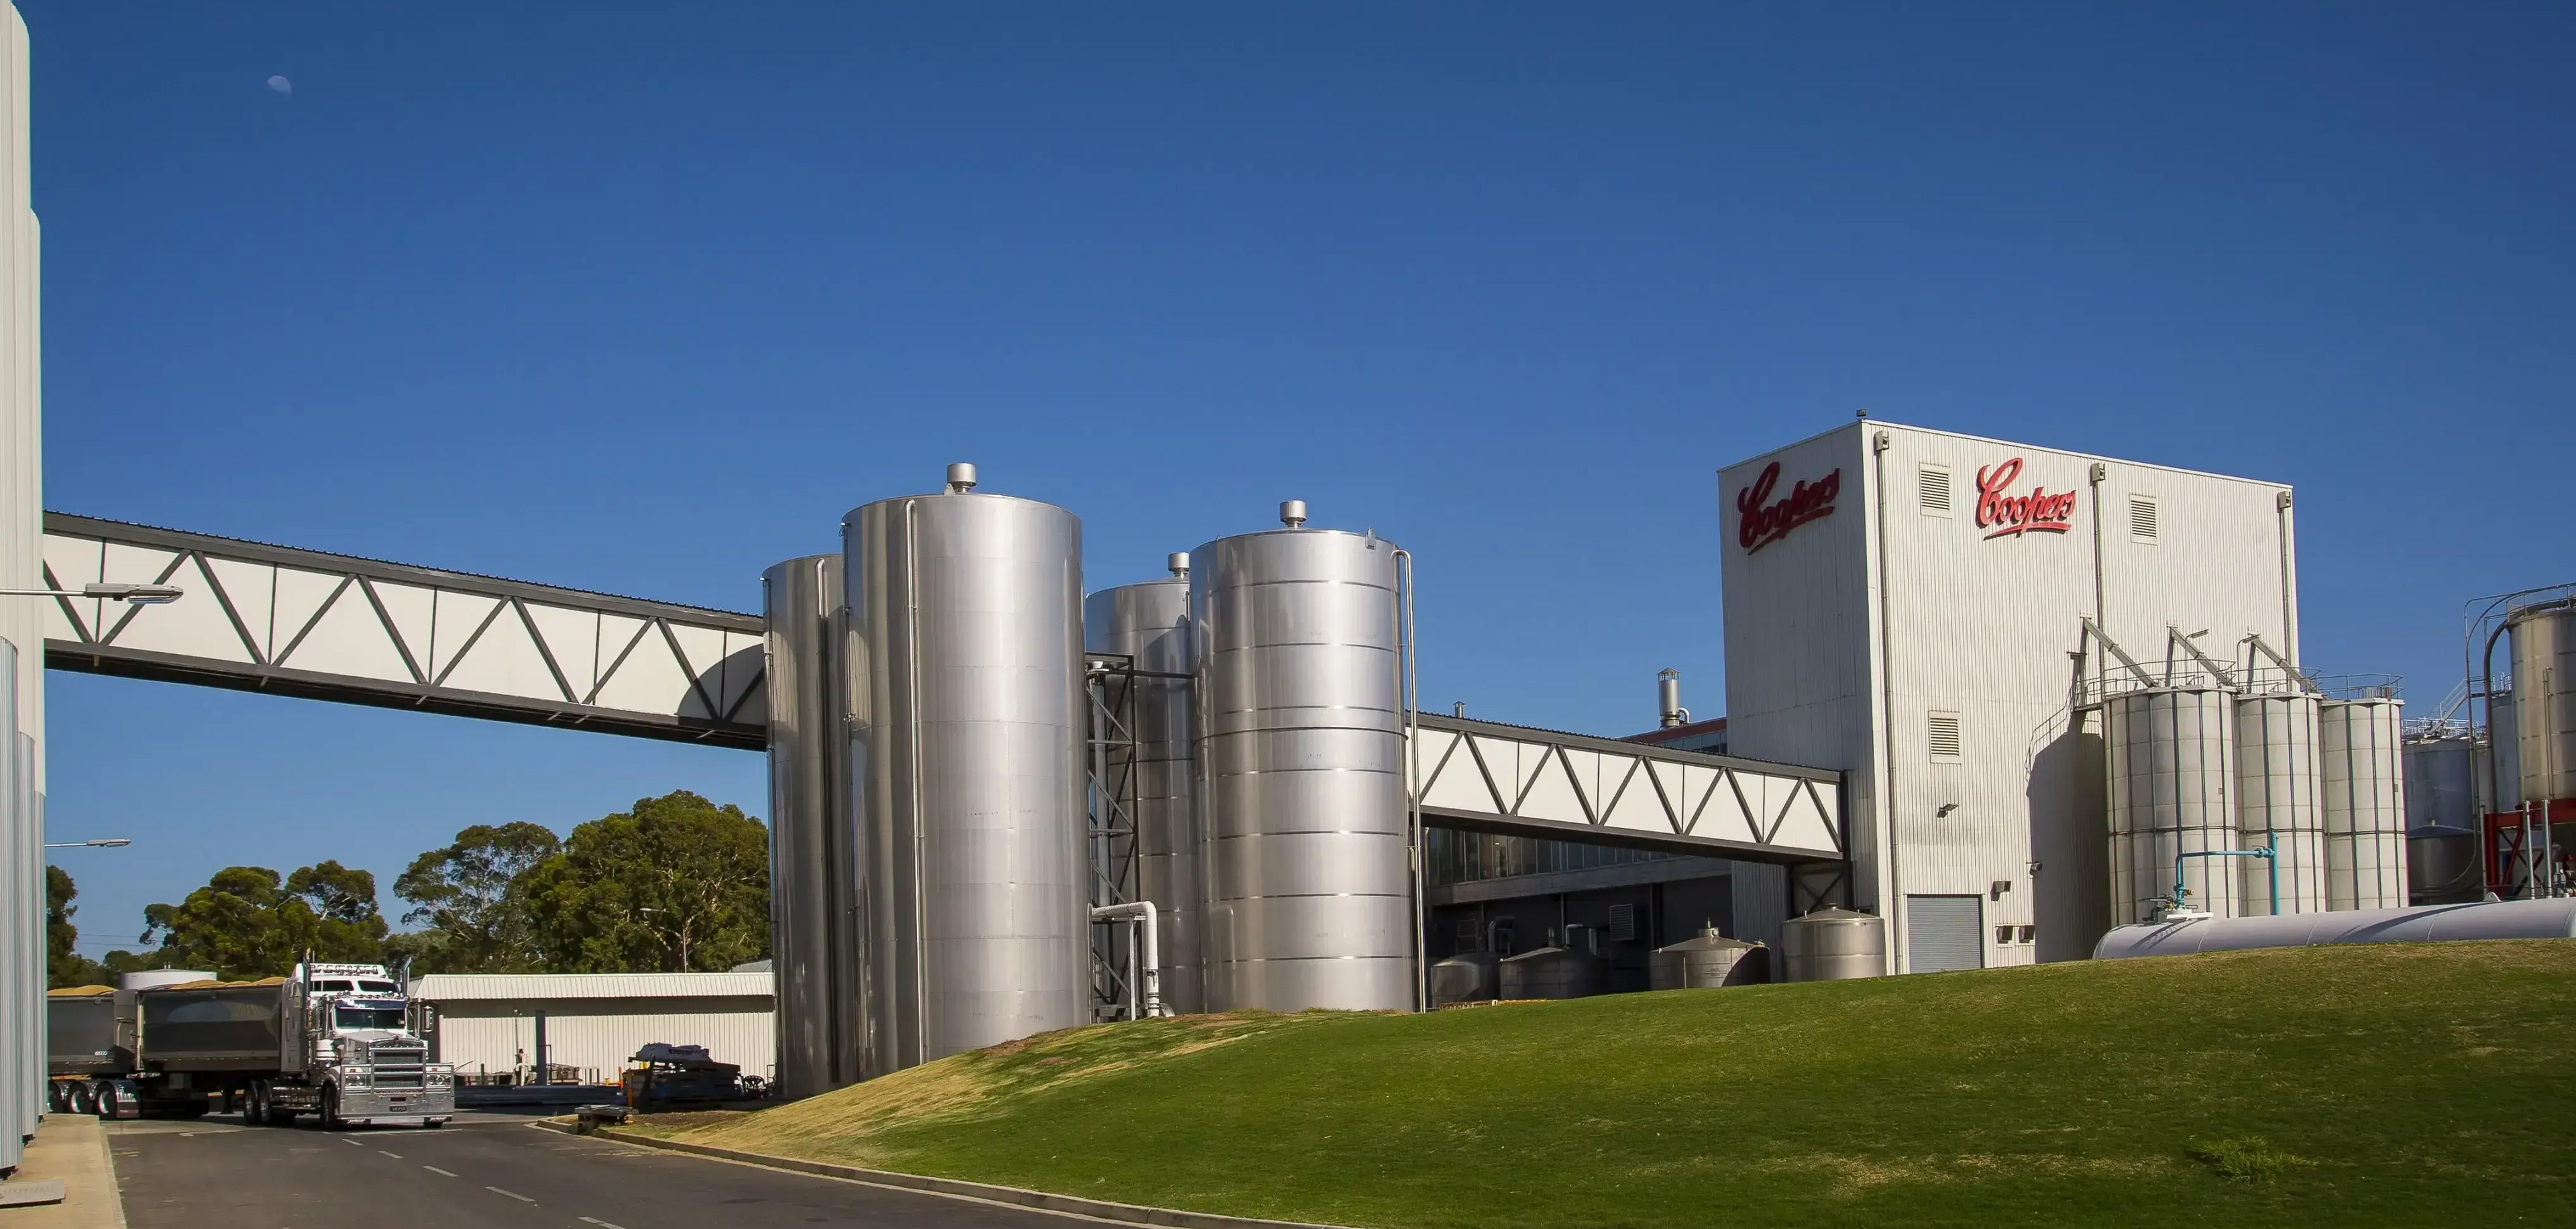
490 1022
1906 605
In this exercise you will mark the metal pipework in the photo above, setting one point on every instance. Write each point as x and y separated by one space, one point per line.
1668 698
1139 915
2267 853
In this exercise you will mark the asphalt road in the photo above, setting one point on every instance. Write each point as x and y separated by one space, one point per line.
487 1170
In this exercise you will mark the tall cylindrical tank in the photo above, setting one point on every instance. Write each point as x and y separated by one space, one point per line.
1707 959
2365 803
2443 866
814 922
2171 764
967 751
2544 693
1833 945
1302 772
2277 803
2441 778
1150 622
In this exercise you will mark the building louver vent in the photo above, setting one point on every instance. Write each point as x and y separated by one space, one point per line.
1623 922
2142 518
1936 491
1945 736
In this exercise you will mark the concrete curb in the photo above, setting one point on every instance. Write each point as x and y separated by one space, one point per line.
1098 1209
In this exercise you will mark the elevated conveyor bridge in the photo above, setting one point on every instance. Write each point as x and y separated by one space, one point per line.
288 621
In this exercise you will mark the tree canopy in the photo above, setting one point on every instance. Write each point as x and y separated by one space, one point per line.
468 899
676 885
64 965
246 922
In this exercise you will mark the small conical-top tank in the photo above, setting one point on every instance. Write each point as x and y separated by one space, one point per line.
1833 945
1468 977
1553 972
1708 959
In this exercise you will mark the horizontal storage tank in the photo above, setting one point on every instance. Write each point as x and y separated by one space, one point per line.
2171 760
2544 700
2503 919
1554 973
2277 803
814 922
2443 866
1833 945
968 749
2365 803
1302 771
1706 960
1150 622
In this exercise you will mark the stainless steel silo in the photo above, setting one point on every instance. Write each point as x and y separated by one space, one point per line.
2365 803
2441 778
1552 972
814 921
2171 765
2444 867
2277 803
1301 761
967 751
2544 701
1833 945
1150 622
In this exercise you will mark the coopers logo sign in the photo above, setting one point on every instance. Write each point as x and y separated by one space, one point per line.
2003 516
1759 521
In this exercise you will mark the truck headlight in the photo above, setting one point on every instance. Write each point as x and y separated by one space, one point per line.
437 1077
354 1081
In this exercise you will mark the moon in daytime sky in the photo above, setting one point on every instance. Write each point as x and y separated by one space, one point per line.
282 86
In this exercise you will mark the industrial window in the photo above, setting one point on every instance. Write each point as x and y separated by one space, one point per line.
2142 518
1936 490
1944 732
2030 934
1623 922
2003 935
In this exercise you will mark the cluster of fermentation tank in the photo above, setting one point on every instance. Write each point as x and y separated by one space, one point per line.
937 741
2491 806
2255 792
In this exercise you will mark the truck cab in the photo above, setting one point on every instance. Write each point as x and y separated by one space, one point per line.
348 1037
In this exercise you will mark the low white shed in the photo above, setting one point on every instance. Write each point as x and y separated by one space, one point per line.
496 1023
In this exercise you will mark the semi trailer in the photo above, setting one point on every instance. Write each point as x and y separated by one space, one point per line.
333 1041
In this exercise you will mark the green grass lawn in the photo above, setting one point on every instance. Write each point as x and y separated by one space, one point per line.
2365 1085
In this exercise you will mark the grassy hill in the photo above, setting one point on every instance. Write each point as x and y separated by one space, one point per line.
2368 1085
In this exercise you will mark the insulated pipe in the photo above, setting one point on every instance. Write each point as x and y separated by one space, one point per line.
1135 912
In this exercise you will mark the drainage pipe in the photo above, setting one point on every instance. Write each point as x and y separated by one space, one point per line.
1140 913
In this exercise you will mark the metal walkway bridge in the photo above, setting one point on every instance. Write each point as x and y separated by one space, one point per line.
294 622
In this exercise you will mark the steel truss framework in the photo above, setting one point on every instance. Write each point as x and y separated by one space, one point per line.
1111 683
1488 777
335 627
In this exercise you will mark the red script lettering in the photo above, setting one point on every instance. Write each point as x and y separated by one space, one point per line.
1760 522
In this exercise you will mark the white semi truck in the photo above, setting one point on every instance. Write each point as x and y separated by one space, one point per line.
331 1040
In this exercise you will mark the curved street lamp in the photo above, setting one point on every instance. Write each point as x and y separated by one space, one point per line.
139 595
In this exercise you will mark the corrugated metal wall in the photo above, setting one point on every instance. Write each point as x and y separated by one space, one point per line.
505 1043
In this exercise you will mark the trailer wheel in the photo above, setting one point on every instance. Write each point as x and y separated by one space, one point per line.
58 1097
84 1099
106 1099
255 1104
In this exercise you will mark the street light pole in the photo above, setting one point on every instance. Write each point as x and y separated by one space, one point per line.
105 842
118 591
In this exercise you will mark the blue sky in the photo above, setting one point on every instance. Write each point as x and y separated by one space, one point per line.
641 297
